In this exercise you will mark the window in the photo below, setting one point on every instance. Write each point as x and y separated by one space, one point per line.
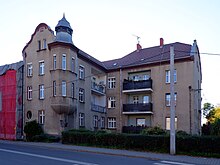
141 122
41 117
145 99
72 90
72 64
41 68
81 72
111 82
29 115
81 119
135 99
39 45
64 62
168 76
54 61
29 70
45 44
29 93
41 91
102 122
81 95
111 122
168 98
168 123
63 88
111 102
54 88
95 121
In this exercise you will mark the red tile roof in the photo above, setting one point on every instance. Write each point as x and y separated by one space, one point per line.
149 56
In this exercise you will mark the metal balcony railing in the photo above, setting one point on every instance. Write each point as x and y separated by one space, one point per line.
132 85
139 107
98 108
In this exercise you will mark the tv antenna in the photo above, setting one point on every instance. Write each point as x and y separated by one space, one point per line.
138 38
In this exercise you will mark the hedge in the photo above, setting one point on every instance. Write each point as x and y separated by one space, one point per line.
201 145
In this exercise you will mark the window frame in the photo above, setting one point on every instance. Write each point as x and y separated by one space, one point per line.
72 90
41 92
81 72
81 120
167 76
95 121
54 62
111 82
41 68
44 43
81 95
29 93
167 123
168 99
63 88
39 44
111 102
112 123
102 123
63 61
54 88
73 64
41 117
29 69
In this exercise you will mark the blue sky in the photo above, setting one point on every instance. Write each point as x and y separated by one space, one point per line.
105 28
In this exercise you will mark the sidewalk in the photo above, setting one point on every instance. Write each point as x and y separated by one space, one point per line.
147 155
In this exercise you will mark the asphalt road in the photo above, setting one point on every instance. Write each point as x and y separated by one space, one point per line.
13 154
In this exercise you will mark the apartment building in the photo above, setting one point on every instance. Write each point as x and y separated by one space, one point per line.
138 90
66 88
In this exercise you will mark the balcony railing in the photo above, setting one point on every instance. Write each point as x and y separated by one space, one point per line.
139 108
98 108
98 88
135 85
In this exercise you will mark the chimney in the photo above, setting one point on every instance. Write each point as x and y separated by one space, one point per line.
138 47
161 42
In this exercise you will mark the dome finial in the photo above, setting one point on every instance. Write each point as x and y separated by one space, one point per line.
64 15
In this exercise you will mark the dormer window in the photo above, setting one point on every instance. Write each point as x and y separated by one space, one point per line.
44 44
39 45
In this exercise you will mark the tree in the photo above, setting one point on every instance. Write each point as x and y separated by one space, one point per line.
213 115
207 107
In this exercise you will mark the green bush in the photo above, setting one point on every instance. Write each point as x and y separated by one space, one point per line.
45 138
194 145
31 129
153 131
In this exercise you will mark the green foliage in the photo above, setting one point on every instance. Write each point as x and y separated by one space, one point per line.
31 129
194 145
207 107
153 131
182 133
215 127
45 138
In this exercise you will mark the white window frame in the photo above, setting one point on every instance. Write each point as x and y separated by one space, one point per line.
112 122
41 67
29 92
111 102
41 117
168 76
168 123
54 88
81 119
29 70
168 99
41 91
63 88
81 95
81 72
95 121
111 82
102 122
64 62
54 61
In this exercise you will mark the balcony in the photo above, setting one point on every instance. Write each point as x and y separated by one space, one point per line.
130 86
98 108
63 105
139 108
98 89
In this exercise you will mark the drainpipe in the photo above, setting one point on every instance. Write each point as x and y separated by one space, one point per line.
120 97
190 107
